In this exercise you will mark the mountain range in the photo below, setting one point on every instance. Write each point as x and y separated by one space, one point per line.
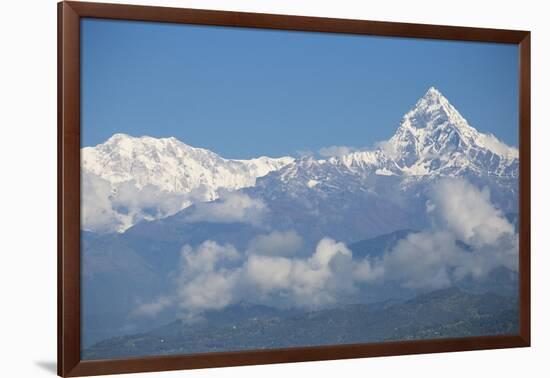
135 179
147 200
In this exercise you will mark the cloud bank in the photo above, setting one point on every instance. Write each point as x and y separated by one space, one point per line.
213 276
469 237
115 208
108 208
461 213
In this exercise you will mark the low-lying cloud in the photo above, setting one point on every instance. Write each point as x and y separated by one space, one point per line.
152 309
212 276
469 238
467 212
433 258
304 282
109 208
208 276
97 213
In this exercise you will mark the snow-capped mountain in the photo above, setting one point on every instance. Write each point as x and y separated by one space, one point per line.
432 140
172 165
128 179
368 193
149 178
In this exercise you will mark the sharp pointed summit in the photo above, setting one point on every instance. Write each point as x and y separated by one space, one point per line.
434 95
432 110
433 136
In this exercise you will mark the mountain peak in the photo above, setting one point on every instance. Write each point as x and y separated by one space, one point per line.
433 92
431 110
434 134
122 137
434 98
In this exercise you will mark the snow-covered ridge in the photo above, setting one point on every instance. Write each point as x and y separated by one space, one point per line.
135 178
172 165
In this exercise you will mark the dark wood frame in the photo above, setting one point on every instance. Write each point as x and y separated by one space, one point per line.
69 14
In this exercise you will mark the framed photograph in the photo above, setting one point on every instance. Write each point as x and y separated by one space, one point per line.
240 188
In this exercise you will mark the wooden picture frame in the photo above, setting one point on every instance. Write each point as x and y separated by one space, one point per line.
69 201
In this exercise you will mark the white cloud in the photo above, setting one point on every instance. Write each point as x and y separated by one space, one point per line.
336 151
154 308
231 207
433 259
276 270
388 148
269 273
492 143
108 208
422 260
207 276
97 213
148 202
310 282
327 250
207 257
213 290
467 212
212 276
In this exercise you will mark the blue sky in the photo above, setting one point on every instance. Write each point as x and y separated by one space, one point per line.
248 92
